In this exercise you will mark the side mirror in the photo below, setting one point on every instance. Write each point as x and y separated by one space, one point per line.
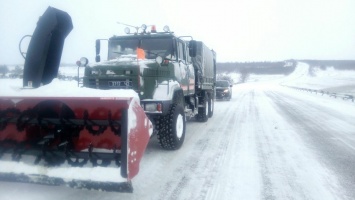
192 48
97 46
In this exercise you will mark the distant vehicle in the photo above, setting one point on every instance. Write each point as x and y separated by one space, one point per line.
223 90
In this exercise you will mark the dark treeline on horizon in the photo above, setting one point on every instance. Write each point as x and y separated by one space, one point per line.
281 67
337 64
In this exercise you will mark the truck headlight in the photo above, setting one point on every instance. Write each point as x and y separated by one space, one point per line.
84 61
159 59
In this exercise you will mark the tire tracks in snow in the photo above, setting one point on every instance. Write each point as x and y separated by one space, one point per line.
296 164
240 176
200 168
275 154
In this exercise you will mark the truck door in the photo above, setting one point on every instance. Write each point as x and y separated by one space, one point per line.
185 68
191 71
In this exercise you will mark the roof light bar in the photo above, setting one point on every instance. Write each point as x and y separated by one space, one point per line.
144 27
127 30
154 29
166 28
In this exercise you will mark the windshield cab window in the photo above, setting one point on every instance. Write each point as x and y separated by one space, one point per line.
152 47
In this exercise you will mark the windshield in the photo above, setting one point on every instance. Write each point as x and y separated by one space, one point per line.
152 47
222 84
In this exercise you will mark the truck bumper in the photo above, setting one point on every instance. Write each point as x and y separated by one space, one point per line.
156 107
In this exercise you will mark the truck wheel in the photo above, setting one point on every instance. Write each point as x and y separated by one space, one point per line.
210 107
202 115
172 128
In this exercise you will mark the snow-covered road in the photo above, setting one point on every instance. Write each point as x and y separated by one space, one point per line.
268 142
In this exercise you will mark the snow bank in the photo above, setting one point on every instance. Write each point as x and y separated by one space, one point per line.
58 88
70 71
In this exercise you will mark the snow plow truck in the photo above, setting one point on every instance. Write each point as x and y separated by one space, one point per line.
93 136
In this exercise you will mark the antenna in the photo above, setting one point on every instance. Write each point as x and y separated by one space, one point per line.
136 27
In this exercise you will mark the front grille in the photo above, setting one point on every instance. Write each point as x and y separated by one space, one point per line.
155 72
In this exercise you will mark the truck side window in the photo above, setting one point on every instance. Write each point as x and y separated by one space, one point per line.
188 58
181 51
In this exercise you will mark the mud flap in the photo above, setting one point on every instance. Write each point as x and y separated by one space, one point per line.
21 159
45 48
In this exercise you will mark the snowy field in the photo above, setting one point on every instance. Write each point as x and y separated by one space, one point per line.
339 81
268 142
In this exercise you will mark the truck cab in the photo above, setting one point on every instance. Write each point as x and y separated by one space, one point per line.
153 65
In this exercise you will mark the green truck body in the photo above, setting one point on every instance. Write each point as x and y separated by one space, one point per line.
170 75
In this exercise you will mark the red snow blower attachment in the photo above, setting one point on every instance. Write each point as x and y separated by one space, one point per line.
93 141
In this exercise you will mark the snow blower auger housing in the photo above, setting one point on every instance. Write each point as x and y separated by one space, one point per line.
80 137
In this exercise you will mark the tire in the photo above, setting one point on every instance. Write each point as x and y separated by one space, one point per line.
172 127
210 106
202 115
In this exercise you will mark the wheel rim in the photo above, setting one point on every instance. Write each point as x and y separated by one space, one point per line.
179 126
207 108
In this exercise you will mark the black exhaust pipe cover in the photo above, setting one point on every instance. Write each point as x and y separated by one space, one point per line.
45 48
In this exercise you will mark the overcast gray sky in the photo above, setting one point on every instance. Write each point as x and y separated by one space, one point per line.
238 30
